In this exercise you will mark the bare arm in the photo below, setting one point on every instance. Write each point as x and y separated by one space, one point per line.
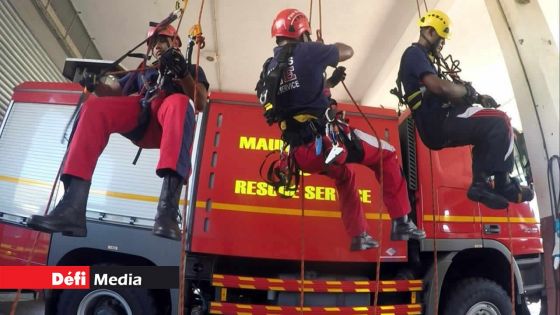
443 87
201 97
188 85
345 52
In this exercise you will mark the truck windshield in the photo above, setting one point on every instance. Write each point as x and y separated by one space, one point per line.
521 165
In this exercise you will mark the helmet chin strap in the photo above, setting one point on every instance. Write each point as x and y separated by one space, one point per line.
433 46
168 45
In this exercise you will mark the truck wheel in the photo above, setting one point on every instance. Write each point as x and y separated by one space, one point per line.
476 296
129 301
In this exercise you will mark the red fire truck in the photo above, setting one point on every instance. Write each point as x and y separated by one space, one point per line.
247 249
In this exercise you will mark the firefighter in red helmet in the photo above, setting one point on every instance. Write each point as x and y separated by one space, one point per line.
154 108
297 103
169 31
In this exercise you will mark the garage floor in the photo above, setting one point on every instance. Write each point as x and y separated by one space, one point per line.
28 306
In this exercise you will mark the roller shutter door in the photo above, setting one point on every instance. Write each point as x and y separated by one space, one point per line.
21 56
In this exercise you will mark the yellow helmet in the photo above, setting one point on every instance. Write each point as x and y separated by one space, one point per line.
438 20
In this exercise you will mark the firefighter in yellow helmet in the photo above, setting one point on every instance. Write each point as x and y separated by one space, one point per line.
445 117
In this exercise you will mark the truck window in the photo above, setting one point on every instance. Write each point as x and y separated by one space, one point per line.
521 165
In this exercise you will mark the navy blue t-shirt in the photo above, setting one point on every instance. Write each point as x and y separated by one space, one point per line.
301 88
429 117
150 76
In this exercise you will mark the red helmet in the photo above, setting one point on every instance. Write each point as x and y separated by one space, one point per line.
169 30
290 23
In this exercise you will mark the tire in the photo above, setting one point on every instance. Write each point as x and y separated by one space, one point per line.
475 296
118 301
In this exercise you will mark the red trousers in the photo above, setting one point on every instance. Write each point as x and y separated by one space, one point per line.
395 194
171 129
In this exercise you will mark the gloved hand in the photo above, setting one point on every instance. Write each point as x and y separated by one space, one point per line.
269 114
89 81
172 63
339 74
488 101
472 95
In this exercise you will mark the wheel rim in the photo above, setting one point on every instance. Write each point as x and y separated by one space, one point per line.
484 308
103 302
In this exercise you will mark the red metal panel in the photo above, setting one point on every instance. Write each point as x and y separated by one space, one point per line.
457 216
456 213
16 243
523 225
47 92
245 219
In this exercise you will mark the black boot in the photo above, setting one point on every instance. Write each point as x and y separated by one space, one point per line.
511 189
69 215
167 218
481 191
403 229
362 242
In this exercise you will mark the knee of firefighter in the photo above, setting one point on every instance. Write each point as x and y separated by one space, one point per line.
501 125
342 156
307 160
390 155
93 106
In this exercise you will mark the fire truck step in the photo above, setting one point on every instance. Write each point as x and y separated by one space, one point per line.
293 285
245 309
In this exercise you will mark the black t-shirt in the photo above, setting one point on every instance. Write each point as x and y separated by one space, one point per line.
301 88
429 117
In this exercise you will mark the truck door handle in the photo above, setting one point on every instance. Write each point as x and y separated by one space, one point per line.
491 229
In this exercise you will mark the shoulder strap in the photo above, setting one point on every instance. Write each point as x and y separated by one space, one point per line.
269 80
285 54
398 90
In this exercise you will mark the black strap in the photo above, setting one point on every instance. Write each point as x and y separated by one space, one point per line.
398 90
144 117
284 181
269 81
413 99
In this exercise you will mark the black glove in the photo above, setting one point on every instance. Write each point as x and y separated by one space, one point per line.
89 81
269 114
472 95
339 74
172 63
488 101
